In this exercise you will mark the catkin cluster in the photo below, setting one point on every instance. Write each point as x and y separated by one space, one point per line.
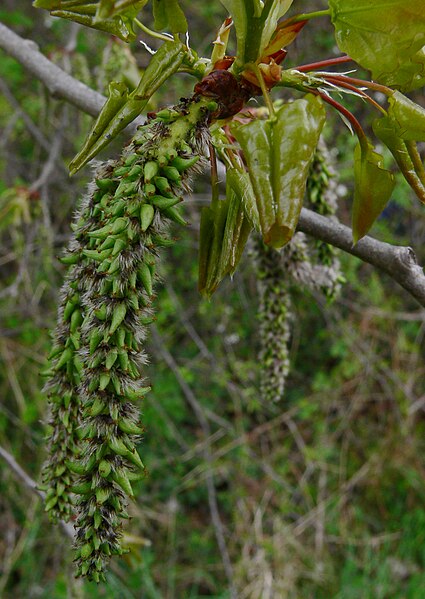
96 365
302 262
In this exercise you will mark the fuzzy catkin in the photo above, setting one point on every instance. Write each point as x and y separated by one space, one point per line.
274 315
303 262
119 230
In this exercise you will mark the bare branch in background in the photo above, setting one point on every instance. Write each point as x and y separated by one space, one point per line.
30 484
398 262
59 83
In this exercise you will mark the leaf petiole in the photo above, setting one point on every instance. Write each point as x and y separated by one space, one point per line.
310 15
160 36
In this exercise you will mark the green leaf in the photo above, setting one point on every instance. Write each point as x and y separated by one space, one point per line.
254 24
162 65
122 108
169 15
112 8
240 183
223 235
408 117
387 37
373 188
87 13
98 136
406 157
278 153
271 16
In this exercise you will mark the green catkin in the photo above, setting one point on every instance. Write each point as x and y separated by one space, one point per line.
115 289
62 386
321 196
302 262
274 315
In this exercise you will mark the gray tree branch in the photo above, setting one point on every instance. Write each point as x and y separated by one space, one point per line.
59 83
398 262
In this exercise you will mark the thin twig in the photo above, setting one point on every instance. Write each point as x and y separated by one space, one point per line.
397 261
30 484
59 83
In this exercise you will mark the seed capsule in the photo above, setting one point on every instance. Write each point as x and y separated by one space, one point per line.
104 381
106 184
70 258
147 214
145 277
120 225
150 170
95 255
149 189
135 172
182 164
118 316
101 233
172 174
129 427
111 359
162 185
162 203
119 245
104 468
174 215
122 480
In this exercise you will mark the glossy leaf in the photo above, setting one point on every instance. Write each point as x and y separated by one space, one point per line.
373 188
111 8
87 13
254 24
413 170
122 108
168 15
237 10
240 183
278 153
285 34
270 17
408 117
223 235
386 37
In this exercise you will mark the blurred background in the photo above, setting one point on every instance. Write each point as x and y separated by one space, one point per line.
319 495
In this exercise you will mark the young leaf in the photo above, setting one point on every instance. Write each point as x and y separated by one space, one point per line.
373 188
407 116
413 171
240 183
255 23
122 108
118 96
169 15
386 37
111 8
271 14
224 233
86 13
278 152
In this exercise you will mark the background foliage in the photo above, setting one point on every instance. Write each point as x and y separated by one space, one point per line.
321 495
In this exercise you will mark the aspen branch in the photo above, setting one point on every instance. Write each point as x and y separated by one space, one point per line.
398 262
59 83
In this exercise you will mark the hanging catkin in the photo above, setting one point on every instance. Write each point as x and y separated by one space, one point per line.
96 377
